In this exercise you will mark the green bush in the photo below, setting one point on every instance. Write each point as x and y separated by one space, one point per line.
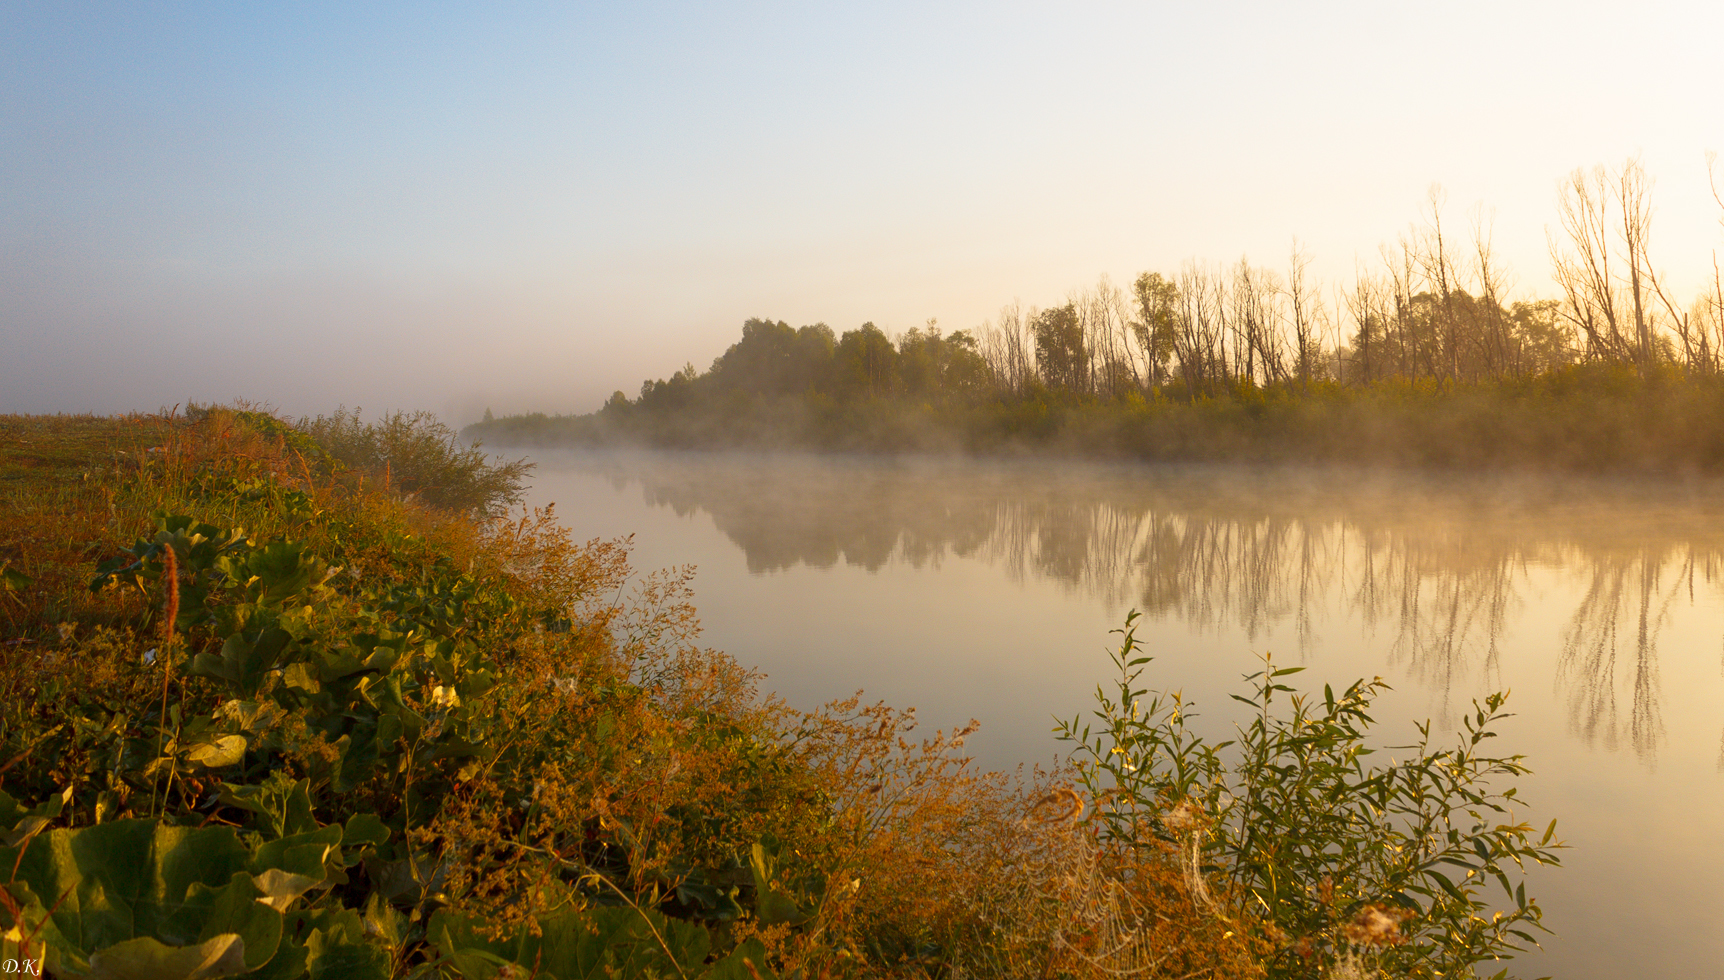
422 457
1331 861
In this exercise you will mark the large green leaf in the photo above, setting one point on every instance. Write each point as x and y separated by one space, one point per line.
142 899
222 750
344 958
241 909
128 879
283 804
146 959
243 662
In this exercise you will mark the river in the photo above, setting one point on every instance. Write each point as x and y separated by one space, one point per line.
987 590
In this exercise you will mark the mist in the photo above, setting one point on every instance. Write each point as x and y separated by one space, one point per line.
985 589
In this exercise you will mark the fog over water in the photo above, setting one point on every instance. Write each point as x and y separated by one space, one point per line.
987 590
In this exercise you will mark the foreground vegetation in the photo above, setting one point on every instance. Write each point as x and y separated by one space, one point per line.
268 710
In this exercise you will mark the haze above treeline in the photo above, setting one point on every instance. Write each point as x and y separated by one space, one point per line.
526 209
1435 306
1423 361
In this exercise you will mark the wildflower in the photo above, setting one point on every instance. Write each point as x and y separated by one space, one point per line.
444 697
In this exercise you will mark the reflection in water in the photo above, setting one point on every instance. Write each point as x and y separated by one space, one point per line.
1439 566
1618 620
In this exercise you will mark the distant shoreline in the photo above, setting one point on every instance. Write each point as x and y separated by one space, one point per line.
1589 419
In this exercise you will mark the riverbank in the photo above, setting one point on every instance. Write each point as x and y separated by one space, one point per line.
311 724
1594 419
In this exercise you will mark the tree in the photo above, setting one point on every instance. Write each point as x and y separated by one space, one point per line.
1539 338
1306 310
1606 276
865 362
1157 302
1060 353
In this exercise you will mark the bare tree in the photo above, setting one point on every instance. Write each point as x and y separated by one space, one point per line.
1107 337
1254 322
1438 270
1367 305
1607 277
1307 313
1708 312
1007 348
1403 347
1199 339
1501 355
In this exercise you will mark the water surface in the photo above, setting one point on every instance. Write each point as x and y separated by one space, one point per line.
987 590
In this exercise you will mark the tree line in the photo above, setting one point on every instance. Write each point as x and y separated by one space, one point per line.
1422 358
1434 307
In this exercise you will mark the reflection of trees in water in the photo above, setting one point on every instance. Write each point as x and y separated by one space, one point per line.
1437 574
1444 599
1444 604
1610 648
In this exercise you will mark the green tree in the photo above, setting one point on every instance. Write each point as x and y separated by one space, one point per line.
1541 339
1157 301
929 364
865 362
1060 353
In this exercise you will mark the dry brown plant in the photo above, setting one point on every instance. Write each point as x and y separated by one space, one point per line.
1062 899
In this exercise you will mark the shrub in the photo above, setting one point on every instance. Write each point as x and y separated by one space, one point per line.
1338 864
422 457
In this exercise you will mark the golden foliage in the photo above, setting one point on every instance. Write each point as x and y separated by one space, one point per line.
656 770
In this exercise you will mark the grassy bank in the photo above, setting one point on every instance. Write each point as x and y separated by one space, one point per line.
1583 419
276 702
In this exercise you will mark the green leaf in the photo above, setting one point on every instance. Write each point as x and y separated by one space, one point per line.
226 750
343 955
283 805
241 909
300 854
147 959
1449 886
733 967
278 888
129 879
591 944
364 828
12 580
300 677
771 905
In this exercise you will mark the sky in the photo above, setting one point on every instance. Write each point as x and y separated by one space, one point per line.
524 207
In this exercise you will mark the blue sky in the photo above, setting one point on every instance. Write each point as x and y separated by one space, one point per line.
527 206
